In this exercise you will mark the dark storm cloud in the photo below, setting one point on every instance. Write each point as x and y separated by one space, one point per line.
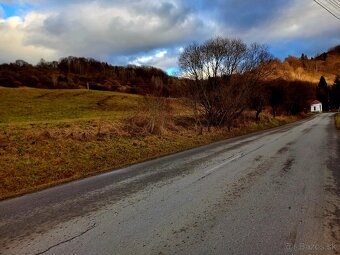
244 14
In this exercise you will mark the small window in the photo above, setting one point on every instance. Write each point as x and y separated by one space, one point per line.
314 108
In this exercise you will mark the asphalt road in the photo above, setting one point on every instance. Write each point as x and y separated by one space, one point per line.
272 192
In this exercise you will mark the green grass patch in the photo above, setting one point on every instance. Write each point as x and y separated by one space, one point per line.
27 105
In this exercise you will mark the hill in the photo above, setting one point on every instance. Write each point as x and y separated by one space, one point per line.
78 73
326 64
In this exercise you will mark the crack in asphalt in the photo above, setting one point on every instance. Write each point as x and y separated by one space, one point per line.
67 240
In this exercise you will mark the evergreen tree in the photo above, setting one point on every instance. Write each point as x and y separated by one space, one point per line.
322 93
335 94
304 57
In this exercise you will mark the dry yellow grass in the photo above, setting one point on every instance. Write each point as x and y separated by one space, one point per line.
337 120
50 137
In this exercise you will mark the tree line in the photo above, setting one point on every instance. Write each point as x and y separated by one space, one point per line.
74 72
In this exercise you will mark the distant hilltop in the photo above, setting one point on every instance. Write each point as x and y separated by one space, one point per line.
77 72
325 64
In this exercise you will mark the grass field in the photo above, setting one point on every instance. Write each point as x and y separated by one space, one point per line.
33 105
54 136
337 120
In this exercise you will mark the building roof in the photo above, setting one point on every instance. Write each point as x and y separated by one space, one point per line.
316 102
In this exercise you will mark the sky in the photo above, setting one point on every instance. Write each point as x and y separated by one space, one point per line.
148 32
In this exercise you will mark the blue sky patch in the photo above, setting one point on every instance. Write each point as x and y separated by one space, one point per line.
10 10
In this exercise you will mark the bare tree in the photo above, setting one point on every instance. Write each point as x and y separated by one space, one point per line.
223 73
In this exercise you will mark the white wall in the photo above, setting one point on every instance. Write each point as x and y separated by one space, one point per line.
316 108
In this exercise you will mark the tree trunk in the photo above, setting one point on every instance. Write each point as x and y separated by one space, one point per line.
274 111
258 116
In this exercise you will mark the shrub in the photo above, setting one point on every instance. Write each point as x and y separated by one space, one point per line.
154 117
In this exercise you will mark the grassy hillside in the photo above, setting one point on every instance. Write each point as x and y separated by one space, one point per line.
33 105
54 136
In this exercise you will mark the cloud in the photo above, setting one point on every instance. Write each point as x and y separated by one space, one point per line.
245 14
151 32
13 43
164 59
302 27
102 29
303 20
20 1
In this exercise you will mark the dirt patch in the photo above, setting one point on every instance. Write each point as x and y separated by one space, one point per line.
50 95
79 94
44 95
103 102
45 135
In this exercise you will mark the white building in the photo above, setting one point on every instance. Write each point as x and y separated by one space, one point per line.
316 106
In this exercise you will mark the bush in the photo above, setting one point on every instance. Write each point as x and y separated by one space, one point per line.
154 117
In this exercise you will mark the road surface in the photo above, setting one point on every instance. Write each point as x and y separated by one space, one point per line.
272 192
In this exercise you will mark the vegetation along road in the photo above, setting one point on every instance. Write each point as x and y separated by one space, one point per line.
271 192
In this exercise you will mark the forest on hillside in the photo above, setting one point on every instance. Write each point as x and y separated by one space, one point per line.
310 69
75 73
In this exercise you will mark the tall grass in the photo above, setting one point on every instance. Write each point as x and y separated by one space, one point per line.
337 120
